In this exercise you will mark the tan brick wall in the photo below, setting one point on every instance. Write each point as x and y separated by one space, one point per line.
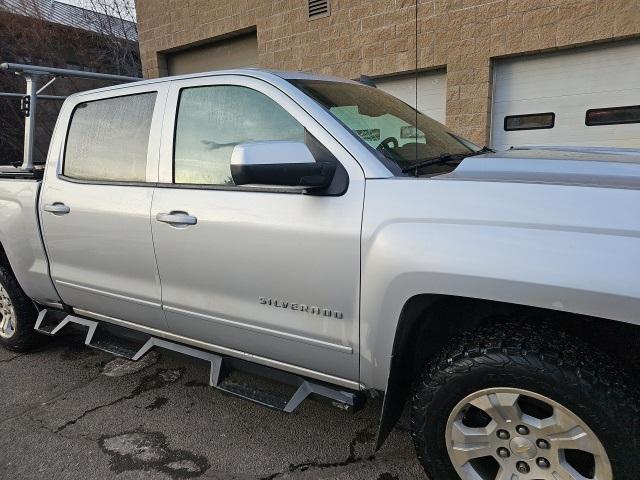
378 37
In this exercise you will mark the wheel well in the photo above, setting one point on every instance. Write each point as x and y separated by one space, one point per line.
429 322
4 260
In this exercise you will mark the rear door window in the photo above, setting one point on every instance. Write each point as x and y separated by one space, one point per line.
108 139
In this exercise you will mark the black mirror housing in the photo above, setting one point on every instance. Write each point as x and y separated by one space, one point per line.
280 164
310 176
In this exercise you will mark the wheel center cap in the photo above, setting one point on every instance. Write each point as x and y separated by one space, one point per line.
523 448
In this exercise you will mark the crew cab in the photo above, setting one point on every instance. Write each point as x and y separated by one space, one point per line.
324 234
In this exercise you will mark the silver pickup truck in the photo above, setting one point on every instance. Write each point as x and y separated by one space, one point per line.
323 235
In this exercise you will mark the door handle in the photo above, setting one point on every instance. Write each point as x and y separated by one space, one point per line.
57 208
177 218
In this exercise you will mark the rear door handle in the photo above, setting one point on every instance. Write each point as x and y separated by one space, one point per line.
57 208
177 218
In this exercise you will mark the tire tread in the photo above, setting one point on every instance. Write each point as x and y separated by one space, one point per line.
523 348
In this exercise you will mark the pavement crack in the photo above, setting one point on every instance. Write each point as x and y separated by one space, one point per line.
11 359
157 380
48 401
91 410
361 436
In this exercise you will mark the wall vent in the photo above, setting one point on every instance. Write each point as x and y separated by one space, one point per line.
318 9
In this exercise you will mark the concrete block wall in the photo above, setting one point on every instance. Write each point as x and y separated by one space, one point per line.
378 37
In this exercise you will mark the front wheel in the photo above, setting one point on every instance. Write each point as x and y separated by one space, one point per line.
517 403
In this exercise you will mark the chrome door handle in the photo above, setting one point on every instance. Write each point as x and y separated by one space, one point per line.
57 208
177 218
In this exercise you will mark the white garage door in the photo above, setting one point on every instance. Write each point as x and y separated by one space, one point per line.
587 96
432 91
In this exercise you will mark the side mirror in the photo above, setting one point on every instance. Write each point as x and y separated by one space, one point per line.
279 163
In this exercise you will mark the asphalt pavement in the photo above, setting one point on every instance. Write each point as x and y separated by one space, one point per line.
70 412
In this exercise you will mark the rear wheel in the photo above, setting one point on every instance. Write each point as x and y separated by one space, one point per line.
520 403
17 315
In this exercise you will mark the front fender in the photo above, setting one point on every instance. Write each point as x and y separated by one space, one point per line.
522 244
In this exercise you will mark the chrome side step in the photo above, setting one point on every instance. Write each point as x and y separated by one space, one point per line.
222 368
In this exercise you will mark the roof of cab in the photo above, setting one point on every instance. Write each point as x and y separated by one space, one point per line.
263 74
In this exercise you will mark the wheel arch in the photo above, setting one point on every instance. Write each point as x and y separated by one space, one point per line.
428 322
4 259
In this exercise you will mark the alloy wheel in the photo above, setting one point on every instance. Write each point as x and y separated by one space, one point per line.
7 315
514 434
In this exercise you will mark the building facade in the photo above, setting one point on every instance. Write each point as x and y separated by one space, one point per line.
500 72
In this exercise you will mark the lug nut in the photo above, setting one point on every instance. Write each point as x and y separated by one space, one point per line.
503 434
503 452
522 467
522 430
543 444
543 462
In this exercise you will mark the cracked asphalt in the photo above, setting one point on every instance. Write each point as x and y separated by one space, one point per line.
70 412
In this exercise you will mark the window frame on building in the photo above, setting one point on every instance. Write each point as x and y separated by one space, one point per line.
589 123
529 115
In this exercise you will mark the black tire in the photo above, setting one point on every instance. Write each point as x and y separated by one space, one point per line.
24 337
540 360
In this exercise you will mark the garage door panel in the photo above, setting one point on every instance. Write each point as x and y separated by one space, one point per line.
618 137
575 59
565 83
576 104
568 83
235 52
569 73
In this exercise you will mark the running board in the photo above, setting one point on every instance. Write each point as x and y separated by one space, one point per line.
222 368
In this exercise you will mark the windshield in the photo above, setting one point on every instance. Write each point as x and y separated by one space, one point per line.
397 133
